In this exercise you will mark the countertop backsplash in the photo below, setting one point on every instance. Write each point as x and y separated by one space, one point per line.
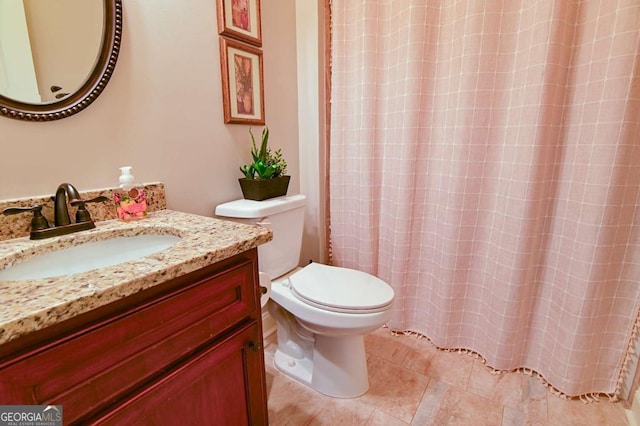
19 225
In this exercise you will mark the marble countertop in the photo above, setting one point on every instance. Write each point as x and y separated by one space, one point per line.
32 305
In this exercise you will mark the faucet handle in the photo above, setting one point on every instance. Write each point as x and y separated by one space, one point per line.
82 214
81 202
38 221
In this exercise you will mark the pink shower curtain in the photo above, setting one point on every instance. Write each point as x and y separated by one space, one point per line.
485 161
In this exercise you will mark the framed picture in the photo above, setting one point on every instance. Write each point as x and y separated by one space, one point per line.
242 83
240 19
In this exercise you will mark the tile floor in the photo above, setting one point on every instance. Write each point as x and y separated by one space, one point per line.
412 383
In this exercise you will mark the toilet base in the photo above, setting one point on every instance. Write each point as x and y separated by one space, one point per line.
338 367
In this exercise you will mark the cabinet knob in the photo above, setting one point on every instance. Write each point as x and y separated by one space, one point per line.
255 346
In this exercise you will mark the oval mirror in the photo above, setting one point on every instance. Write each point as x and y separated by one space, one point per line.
56 56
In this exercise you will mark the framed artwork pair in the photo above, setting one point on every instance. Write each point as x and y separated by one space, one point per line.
239 24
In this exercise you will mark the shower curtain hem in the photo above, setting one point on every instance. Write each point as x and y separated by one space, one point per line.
626 362
586 398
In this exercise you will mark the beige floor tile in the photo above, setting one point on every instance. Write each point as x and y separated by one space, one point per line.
393 389
419 355
564 412
380 418
449 367
516 390
444 404
385 345
404 389
291 403
342 412
513 417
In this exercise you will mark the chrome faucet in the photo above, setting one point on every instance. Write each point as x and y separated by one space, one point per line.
65 193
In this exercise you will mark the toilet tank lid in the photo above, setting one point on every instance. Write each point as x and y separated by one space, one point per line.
249 209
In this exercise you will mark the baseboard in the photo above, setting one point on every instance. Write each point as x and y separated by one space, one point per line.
268 324
633 414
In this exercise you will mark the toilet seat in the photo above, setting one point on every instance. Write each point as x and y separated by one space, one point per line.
339 289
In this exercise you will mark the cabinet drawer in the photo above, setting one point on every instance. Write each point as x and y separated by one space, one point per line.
98 365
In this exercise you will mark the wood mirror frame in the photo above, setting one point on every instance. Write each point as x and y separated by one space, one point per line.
92 87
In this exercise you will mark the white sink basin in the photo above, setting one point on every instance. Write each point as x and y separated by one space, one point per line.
86 257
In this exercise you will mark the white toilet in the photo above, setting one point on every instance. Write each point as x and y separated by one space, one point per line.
322 312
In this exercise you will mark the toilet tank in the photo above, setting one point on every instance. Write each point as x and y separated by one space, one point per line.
285 217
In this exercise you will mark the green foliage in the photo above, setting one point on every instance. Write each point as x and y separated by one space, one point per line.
266 163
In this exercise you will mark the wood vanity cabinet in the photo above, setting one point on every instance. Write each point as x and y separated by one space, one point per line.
187 351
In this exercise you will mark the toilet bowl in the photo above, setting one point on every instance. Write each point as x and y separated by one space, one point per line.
321 340
322 312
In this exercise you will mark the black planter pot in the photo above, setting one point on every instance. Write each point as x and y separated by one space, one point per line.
258 190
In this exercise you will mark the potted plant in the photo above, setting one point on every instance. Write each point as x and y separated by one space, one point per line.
265 177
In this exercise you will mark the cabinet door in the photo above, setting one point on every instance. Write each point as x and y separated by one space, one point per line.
222 385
